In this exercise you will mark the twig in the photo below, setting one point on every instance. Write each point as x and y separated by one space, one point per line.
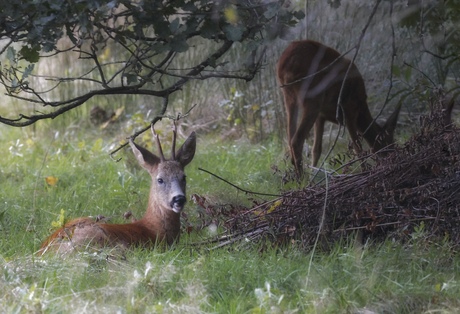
237 187
153 122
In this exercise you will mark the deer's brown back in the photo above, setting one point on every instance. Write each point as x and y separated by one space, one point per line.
312 74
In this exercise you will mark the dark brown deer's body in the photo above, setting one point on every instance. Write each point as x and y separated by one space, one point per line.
311 76
161 221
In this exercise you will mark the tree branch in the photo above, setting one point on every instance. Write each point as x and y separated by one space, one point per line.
147 47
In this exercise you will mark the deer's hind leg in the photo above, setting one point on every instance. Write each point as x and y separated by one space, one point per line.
307 120
292 112
79 233
318 141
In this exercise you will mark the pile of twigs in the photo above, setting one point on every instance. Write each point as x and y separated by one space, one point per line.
415 188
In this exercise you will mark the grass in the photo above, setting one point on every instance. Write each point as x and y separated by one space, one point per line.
380 278
254 278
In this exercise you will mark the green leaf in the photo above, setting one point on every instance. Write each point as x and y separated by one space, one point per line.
174 25
179 45
300 15
30 54
131 79
189 6
27 71
272 10
160 47
48 46
97 146
209 29
11 54
161 28
233 32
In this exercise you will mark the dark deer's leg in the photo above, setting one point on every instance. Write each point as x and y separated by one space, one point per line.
318 141
292 111
307 121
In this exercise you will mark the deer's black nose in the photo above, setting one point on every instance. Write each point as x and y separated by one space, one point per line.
178 200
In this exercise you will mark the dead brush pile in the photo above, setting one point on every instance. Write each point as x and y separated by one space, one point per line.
416 187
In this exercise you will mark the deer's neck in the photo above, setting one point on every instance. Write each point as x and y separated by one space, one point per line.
163 223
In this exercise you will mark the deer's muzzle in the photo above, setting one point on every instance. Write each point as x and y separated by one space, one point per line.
177 203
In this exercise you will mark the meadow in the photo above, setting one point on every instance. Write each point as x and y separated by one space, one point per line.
47 178
62 169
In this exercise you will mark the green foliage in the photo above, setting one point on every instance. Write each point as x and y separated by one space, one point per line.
249 117
127 47
432 73
440 19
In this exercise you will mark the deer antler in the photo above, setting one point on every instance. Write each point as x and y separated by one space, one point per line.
173 149
160 150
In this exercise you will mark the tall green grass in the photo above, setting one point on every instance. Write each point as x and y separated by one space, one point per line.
382 279
254 278
89 182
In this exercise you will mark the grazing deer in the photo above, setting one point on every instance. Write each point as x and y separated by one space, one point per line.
311 76
161 221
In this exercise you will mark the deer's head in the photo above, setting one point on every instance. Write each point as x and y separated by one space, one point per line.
168 177
385 137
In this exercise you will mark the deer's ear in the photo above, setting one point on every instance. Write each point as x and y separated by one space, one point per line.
146 159
187 151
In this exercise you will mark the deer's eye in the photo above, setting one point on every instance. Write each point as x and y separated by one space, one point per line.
160 181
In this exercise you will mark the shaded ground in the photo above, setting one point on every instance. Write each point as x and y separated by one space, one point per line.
414 189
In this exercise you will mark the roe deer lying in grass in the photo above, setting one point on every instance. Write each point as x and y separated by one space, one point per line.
161 221
311 77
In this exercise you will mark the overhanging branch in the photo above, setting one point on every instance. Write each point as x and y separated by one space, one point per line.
66 105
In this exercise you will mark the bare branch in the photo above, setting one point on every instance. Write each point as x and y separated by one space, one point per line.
237 187
147 47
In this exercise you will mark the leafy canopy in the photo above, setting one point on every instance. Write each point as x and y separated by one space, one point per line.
142 39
